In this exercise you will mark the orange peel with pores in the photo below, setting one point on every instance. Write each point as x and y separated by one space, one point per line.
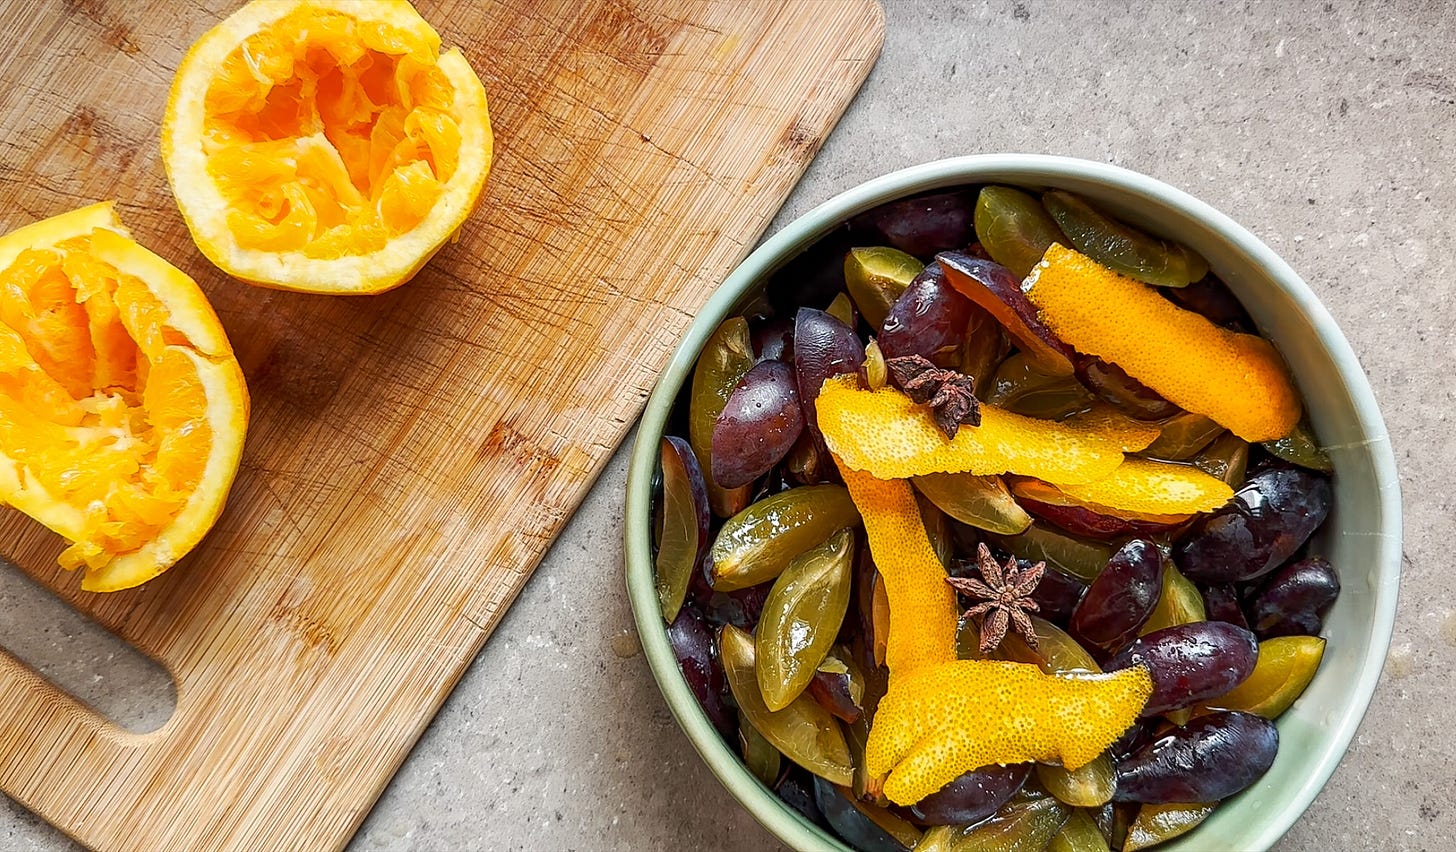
923 611
1138 489
886 435
941 721
122 406
1103 422
328 146
1238 380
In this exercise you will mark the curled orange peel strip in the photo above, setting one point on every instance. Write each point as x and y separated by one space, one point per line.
1238 380
883 433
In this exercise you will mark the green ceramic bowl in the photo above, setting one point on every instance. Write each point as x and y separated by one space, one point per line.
1362 537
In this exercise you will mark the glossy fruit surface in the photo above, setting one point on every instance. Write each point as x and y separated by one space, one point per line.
684 518
1026 824
1122 247
1115 386
1286 666
759 755
1080 834
929 319
1221 603
1078 557
726 356
758 425
839 686
1156 824
1019 385
796 789
1121 599
1014 228
1191 662
805 732
774 340
1211 758
925 225
1300 447
1213 299
697 657
979 501
1056 651
801 617
823 347
865 827
755 545
997 291
1183 435
875 277
1294 599
1269 518
1226 458
1058 594
973 796
1089 786
1179 603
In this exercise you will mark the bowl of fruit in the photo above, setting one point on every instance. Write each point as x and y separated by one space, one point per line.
1015 501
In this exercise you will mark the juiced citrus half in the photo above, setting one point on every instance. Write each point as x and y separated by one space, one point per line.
325 145
122 407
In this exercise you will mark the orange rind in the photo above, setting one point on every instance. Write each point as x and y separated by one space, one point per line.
122 406
886 435
941 721
1139 489
923 610
1238 380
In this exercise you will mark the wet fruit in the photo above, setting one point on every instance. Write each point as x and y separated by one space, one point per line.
1080 834
1211 758
1029 823
801 618
758 425
1019 386
805 732
972 796
1014 228
1088 786
865 827
1294 599
980 501
726 356
1179 603
823 347
875 278
1080 558
684 524
1190 663
929 319
122 406
1121 599
1182 436
1121 247
1117 388
1156 824
1270 517
925 225
1286 666
755 545
325 147
696 651
998 292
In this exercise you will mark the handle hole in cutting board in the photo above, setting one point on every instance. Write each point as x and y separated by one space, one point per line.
81 657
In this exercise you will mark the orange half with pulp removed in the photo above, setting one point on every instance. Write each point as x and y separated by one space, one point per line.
327 146
122 406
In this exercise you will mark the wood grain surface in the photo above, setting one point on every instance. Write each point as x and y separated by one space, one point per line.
410 455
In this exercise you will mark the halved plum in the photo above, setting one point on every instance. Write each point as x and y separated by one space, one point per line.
996 289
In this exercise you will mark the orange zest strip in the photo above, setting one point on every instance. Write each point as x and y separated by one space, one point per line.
942 721
1138 489
923 609
1238 380
886 435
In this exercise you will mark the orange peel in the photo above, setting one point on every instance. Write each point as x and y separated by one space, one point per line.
1142 487
886 435
1238 380
941 721
923 609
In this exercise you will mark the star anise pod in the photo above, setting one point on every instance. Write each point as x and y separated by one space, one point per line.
1006 598
949 394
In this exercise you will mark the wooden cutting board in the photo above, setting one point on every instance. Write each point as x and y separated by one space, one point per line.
411 455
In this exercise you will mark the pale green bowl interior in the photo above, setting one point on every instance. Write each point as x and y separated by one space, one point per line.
1362 537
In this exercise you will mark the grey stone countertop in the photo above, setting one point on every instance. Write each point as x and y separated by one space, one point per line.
1328 129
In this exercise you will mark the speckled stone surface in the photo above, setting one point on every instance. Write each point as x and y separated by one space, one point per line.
1326 128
